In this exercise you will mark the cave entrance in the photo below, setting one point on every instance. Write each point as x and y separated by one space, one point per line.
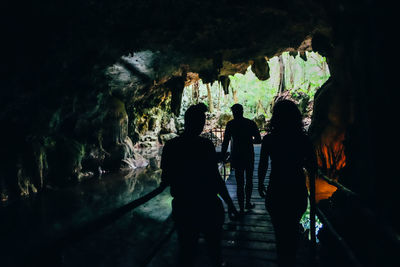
291 76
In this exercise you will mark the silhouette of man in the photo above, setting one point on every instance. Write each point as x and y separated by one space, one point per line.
189 167
244 133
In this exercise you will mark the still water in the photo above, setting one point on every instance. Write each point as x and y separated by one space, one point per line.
28 224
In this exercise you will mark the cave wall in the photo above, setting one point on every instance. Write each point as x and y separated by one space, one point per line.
371 138
82 77
356 109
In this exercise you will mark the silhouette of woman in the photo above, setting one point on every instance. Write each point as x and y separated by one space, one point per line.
288 148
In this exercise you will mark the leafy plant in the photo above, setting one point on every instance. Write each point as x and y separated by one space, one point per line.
301 80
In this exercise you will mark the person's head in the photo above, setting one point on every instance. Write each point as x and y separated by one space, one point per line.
237 111
195 118
286 118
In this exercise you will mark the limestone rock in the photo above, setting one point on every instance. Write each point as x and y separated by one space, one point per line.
135 161
168 126
260 68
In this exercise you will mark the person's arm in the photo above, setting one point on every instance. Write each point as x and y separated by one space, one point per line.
221 186
263 167
223 192
227 139
256 134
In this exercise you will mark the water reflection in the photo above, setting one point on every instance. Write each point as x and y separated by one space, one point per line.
33 221
137 180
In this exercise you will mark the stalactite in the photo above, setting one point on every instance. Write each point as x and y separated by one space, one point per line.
225 82
260 68
176 86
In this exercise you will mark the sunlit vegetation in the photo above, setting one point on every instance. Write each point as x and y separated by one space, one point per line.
290 77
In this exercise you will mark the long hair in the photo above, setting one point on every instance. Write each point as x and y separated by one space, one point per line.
286 118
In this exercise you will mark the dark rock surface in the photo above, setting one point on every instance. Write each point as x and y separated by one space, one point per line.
85 80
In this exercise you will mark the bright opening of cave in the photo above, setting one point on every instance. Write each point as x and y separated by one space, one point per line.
290 77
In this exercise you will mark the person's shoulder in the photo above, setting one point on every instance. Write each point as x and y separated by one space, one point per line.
169 151
247 120
250 123
229 123
172 142
205 141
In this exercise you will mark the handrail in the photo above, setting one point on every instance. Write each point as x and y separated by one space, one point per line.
325 220
159 245
214 132
347 249
385 229
79 233
91 227
335 183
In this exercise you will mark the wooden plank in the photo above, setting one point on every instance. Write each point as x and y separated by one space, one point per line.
249 241
267 256
249 228
248 245
255 224
249 236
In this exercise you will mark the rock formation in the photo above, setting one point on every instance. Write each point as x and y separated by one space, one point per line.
86 80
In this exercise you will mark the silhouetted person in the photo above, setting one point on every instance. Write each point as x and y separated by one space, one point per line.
189 167
244 133
289 149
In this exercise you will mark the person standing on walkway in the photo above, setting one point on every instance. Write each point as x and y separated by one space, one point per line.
244 133
290 150
189 167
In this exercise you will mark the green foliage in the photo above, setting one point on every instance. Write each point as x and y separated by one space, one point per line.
301 78
253 94
305 221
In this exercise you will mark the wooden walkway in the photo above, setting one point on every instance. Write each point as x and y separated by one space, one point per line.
249 241
146 237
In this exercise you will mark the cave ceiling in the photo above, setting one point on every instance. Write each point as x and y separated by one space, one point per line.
215 38
197 34
82 76
60 50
